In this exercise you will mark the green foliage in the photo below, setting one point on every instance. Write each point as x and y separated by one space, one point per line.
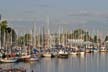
27 38
106 38
3 25
95 39
20 40
79 34
24 40
7 33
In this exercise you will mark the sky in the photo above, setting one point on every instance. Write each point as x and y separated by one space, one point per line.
91 15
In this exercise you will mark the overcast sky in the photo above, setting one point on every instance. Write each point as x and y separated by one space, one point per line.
71 14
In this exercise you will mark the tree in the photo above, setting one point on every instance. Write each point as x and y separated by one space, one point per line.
106 38
11 34
7 33
3 25
27 38
24 40
81 34
20 41
99 40
95 39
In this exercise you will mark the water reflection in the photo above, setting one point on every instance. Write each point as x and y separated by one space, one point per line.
97 62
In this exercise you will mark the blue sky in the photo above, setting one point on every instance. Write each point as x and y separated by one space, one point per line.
71 14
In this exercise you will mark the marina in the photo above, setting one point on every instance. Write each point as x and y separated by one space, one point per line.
54 36
75 51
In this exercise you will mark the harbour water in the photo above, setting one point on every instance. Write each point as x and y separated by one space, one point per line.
94 62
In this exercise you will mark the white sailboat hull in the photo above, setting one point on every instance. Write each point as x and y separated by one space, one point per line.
82 53
73 53
8 60
26 56
34 59
47 55
62 54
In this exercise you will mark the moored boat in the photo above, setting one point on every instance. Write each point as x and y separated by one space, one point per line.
13 70
33 57
73 53
62 54
47 54
8 60
24 58
82 53
95 50
103 49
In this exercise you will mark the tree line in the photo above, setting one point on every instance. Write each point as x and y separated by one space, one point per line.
8 35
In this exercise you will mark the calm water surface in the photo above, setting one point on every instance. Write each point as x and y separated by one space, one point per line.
97 62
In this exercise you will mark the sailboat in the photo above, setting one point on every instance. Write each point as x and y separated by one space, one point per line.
24 56
23 53
73 48
47 52
33 56
103 49
8 59
0 43
30 56
62 53
73 51
0 37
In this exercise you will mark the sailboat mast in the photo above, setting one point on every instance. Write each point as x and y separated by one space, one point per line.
59 35
62 35
43 40
38 36
4 39
0 32
10 41
0 35
33 37
11 37
49 35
